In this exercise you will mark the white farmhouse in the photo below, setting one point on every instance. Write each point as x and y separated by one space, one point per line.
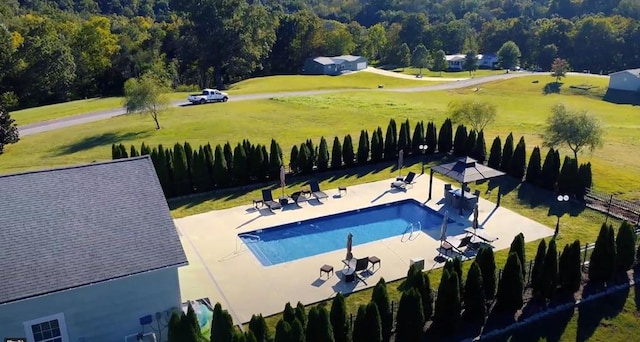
627 80
89 253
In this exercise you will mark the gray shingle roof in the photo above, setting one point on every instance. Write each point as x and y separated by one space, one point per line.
64 228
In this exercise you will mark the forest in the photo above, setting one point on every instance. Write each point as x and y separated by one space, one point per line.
58 50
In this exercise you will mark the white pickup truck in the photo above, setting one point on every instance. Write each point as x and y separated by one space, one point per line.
208 95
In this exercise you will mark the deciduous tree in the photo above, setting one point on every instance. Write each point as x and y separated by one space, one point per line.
559 69
477 114
420 57
509 55
146 95
576 129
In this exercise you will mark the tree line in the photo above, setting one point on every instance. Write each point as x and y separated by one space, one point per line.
184 169
53 51
553 277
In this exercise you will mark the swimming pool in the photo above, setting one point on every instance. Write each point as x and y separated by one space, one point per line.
298 240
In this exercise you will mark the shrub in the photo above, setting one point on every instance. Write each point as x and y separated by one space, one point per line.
381 298
305 159
377 145
602 261
283 332
301 314
347 151
431 137
537 280
445 137
479 152
495 155
404 140
363 148
460 141
507 154
297 332
518 160
474 302
448 307
313 325
470 144
323 155
336 154
372 322
275 160
586 179
360 325
180 172
175 333
289 314
550 270
517 246
325 332
134 152
240 171
390 141
293 159
509 296
570 274
625 247
259 327
222 325
410 318
486 262
548 173
338 317
568 179
533 169
228 156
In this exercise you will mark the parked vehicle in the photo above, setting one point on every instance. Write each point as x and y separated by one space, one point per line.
208 95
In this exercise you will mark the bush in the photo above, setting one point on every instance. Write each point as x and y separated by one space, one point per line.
372 322
404 140
293 159
381 298
289 314
537 280
460 141
549 171
533 169
283 332
550 271
240 170
338 317
625 247
586 179
391 141
360 325
336 154
568 181
445 137
363 148
517 246
410 318
495 155
323 155
570 274
418 137
259 327
470 144
222 325
509 296
486 262
305 159
507 154
275 160
474 302
431 137
347 151
479 152
602 261
377 146
448 306
518 160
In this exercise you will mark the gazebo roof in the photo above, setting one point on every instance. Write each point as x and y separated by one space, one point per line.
466 170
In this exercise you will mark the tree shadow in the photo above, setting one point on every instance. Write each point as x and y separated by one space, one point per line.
101 140
572 208
544 322
533 195
495 325
506 184
465 331
599 306
552 88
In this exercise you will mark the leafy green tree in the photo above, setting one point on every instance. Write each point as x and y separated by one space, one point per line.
373 323
509 296
577 130
431 137
439 62
381 298
537 279
363 147
509 55
533 168
517 247
487 263
146 95
8 129
625 247
550 271
338 317
323 155
470 62
403 55
259 327
507 153
222 325
336 154
94 46
283 332
478 114
445 137
347 151
495 155
546 56
410 318
474 302
360 325
519 160
559 69
420 57
460 140
479 151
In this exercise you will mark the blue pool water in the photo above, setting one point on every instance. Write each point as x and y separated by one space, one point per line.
329 233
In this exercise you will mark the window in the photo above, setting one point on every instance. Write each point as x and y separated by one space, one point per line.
47 329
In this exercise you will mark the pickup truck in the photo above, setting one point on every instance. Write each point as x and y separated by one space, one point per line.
208 95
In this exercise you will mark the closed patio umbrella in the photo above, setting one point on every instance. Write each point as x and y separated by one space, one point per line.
443 229
282 179
400 161
349 246
475 217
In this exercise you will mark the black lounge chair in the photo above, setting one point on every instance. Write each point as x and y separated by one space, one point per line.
315 190
407 181
267 199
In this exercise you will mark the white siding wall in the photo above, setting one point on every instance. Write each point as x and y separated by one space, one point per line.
103 312
624 81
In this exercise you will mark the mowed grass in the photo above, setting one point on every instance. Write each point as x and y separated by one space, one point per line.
259 85
447 74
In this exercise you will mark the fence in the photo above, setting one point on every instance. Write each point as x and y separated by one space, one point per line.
615 207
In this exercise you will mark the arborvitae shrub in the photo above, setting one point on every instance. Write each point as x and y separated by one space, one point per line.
228 156
445 137
301 313
134 152
548 173
600 265
289 314
570 274
363 148
381 298
410 318
222 325
293 159
509 296
495 155
377 145
470 144
625 247
323 155
359 325
586 179
518 160
404 142
475 307
259 327
325 333
517 246
448 303
297 332
275 160
533 168
336 154
390 141
348 155
180 176
550 271
537 280
220 170
305 160
283 332
175 333
240 171
431 137
338 317
507 154
486 260
479 152
418 137
373 323
460 141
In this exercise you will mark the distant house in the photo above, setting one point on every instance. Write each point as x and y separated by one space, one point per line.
89 253
626 80
485 61
334 65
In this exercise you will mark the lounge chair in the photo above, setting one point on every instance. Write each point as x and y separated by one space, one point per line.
451 243
267 199
315 190
479 237
407 181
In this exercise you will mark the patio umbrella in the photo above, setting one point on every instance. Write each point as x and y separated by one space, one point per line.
282 179
475 217
443 229
349 245
400 161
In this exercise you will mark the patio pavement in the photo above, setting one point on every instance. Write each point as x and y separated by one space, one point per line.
223 269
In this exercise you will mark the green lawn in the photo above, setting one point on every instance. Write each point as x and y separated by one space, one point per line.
268 84
448 74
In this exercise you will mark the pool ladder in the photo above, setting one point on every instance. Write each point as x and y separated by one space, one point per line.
411 229
239 238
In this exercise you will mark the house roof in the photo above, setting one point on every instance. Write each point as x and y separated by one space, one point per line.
324 60
348 58
634 72
336 59
69 227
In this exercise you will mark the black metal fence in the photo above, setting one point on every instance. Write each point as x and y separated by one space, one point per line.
614 207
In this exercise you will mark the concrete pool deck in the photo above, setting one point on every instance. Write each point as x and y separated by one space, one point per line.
222 268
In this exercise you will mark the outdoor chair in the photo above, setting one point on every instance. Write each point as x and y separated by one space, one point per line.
477 193
315 190
479 237
267 199
407 181
451 243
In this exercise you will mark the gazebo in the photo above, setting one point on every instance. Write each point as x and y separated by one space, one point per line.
464 170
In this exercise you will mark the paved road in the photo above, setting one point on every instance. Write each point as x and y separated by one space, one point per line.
97 116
